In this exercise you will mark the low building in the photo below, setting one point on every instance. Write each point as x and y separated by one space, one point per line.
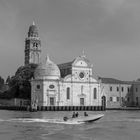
136 93
118 93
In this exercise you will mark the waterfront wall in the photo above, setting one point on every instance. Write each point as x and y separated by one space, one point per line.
71 108
55 108
14 102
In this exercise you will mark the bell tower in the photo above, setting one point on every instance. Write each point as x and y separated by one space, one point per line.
32 46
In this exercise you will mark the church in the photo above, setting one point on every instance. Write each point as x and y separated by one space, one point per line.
68 84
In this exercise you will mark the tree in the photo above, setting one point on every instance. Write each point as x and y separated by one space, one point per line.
19 84
138 79
1 82
8 80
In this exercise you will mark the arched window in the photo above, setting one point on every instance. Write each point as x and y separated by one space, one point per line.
82 87
38 86
68 93
95 93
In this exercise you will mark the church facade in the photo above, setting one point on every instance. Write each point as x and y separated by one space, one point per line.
67 84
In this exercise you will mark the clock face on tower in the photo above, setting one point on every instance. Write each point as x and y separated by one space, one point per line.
81 75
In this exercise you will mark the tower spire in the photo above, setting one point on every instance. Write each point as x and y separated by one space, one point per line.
83 53
33 31
32 46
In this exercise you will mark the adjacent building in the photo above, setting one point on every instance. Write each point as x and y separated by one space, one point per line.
118 93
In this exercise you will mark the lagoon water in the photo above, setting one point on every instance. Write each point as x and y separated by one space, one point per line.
115 125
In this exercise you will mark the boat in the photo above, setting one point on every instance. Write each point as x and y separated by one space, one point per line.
90 118
85 119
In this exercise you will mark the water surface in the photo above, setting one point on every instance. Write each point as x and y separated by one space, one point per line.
115 125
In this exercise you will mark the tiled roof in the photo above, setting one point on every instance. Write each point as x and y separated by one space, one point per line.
63 65
114 81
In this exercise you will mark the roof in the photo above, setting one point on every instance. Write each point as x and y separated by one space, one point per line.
64 65
69 64
114 81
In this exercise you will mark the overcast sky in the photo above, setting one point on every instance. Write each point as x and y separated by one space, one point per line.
108 31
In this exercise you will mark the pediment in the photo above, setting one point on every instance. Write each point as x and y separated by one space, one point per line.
81 62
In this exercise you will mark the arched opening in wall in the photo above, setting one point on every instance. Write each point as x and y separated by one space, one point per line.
68 93
104 101
95 93
137 101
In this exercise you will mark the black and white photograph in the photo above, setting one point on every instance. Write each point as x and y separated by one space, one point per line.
69 69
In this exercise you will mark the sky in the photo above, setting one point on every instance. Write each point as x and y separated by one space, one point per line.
107 30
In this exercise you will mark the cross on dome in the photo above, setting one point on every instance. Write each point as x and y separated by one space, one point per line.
33 23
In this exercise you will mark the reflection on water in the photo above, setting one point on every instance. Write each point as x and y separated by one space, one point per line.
115 125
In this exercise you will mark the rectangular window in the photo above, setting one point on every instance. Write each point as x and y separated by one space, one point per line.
137 101
81 101
128 99
122 89
111 99
117 88
52 101
114 99
118 99
110 88
136 89
128 89
37 87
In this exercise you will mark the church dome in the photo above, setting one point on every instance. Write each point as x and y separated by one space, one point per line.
33 31
47 70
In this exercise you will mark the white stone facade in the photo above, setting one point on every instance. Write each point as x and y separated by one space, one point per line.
68 84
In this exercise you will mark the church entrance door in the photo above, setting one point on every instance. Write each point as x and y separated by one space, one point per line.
82 101
52 101
104 101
